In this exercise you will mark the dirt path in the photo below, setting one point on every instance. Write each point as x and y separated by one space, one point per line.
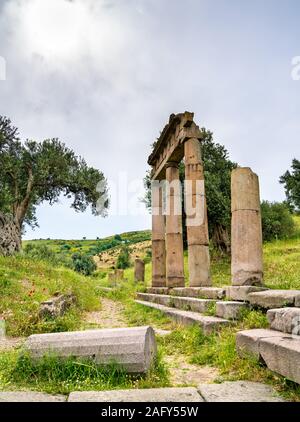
110 315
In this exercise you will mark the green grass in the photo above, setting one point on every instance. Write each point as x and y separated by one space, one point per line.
52 375
25 283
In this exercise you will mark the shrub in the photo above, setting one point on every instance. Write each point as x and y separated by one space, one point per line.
83 264
123 260
118 238
277 221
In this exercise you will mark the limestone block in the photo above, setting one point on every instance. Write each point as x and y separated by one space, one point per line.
139 270
282 355
247 341
152 395
200 292
286 320
57 305
241 292
132 348
230 310
29 396
238 391
270 299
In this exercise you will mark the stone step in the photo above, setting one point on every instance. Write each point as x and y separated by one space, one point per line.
279 351
154 395
215 293
230 309
207 323
185 303
240 293
29 396
286 320
270 299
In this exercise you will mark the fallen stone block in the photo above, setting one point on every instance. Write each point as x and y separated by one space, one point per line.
29 396
247 341
57 305
270 299
238 391
230 310
199 292
154 395
241 292
282 355
133 349
286 320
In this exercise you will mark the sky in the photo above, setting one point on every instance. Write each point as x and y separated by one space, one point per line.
103 76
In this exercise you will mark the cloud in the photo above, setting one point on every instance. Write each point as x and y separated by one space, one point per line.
104 76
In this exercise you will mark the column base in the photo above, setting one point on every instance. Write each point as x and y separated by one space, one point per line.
175 282
159 282
247 278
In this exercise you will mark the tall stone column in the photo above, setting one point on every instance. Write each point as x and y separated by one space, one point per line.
158 239
196 209
246 236
174 239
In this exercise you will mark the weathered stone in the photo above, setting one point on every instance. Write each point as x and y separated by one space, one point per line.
230 310
174 239
119 274
139 270
153 395
282 355
10 236
247 341
241 292
112 278
286 320
246 237
29 396
238 391
196 212
207 323
200 292
186 303
131 348
158 290
270 299
158 239
57 305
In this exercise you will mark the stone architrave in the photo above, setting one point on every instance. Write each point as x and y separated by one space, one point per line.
246 237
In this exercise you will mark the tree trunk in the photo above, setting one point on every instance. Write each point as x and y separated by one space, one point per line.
10 235
221 238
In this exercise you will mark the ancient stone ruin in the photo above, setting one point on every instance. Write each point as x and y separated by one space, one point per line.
181 139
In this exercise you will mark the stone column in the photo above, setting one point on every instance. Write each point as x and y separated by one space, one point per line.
139 270
246 229
158 239
196 209
174 239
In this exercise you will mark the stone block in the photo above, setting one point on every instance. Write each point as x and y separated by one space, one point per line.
241 292
57 305
247 341
29 396
152 395
238 391
270 299
282 355
133 349
200 292
286 320
230 310
139 270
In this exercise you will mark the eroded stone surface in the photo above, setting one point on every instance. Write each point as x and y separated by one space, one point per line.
247 341
238 391
153 395
179 302
230 310
29 396
286 320
270 299
57 305
132 348
241 292
200 292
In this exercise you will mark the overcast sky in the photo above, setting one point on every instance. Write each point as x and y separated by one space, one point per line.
104 76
